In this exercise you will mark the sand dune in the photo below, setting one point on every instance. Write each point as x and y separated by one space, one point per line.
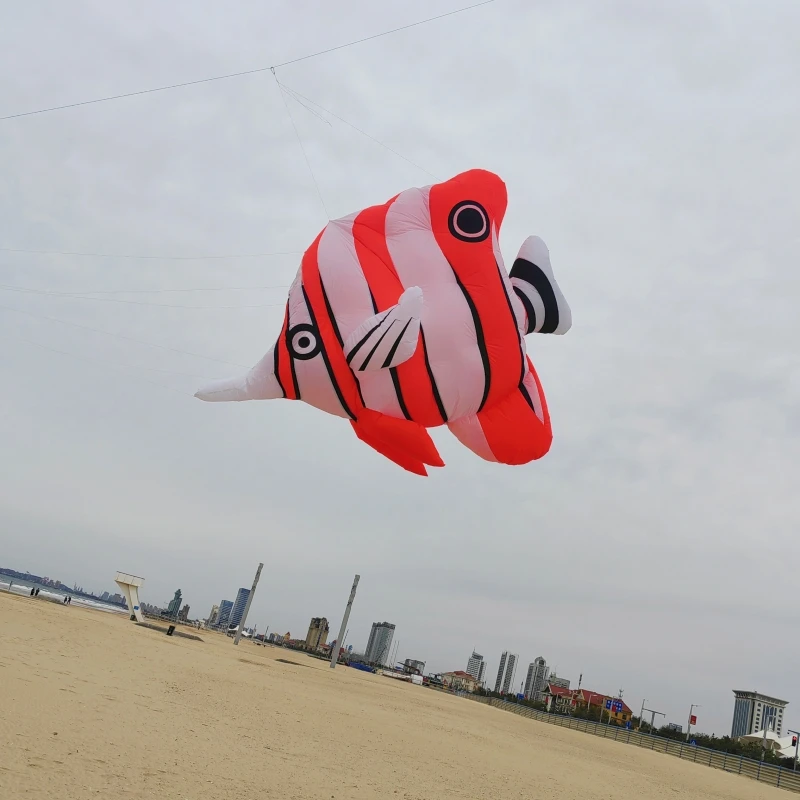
94 706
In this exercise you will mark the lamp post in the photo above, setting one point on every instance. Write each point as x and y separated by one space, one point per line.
691 714
343 629
247 605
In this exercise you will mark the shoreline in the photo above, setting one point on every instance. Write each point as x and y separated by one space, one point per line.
21 588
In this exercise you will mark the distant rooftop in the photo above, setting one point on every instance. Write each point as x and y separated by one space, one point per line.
746 694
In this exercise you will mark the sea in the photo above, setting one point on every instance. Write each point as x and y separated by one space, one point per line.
23 587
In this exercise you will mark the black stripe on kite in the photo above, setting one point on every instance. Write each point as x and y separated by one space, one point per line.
363 341
390 355
332 319
275 356
513 321
529 310
476 320
399 392
332 377
377 345
291 361
526 395
530 273
436 396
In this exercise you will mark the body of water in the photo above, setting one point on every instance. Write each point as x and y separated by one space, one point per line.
23 587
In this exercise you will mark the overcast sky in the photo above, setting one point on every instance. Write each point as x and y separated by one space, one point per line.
654 147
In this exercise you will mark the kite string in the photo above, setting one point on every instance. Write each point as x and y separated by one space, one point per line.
298 97
114 364
106 364
78 296
300 142
120 336
250 71
154 258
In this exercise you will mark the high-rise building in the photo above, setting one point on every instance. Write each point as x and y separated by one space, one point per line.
212 617
506 673
554 680
174 605
224 615
476 666
238 606
753 712
536 679
184 613
317 633
379 643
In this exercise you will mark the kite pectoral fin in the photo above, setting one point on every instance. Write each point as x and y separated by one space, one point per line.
406 443
516 430
386 339
259 383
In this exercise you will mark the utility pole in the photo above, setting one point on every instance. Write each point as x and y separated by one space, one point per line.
340 638
641 714
691 714
770 722
247 605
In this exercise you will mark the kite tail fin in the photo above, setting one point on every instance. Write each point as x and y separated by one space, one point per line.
259 383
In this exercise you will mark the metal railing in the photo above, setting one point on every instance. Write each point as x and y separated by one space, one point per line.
770 774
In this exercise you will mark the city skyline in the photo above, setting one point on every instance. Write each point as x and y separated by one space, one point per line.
226 606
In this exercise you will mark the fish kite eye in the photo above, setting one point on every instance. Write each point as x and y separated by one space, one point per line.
303 342
469 222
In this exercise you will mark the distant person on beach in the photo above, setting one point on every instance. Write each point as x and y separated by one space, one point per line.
32 592
69 602
65 599
37 593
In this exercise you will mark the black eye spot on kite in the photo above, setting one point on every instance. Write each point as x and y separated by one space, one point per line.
469 222
303 342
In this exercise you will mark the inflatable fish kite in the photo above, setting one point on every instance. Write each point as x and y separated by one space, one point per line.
402 317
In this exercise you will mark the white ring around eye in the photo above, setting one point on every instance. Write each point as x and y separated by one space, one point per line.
303 342
470 234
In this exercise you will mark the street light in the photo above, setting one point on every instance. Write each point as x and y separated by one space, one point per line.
691 715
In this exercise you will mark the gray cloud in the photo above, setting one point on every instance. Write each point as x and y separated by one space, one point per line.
653 146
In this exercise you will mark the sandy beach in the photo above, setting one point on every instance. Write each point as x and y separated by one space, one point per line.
96 706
